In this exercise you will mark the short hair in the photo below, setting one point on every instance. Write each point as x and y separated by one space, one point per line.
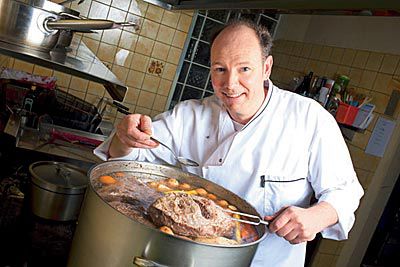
261 32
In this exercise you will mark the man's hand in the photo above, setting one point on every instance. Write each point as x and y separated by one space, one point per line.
298 225
133 131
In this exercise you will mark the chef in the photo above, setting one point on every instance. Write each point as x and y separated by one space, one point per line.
272 147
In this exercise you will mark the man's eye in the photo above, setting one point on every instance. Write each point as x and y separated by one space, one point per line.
245 69
219 69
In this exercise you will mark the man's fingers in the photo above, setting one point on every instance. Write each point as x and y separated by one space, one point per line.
145 124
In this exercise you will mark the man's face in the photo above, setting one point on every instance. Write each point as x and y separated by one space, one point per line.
238 72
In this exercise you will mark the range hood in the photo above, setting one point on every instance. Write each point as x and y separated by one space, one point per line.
76 59
342 7
79 61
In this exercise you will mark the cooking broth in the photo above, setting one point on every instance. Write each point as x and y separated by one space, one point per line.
132 193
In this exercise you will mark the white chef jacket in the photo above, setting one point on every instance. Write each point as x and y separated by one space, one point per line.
292 142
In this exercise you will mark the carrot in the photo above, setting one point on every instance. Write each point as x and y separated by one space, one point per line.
107 179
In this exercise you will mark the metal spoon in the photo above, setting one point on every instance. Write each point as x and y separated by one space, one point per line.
182 160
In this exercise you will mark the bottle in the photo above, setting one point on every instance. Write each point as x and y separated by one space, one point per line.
335 95
29 99
305 85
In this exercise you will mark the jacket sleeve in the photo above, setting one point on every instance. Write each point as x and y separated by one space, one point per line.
164 129
333 178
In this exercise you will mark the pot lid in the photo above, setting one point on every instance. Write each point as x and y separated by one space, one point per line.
59 177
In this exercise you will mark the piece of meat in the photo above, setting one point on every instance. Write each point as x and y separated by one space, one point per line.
191 215
217 240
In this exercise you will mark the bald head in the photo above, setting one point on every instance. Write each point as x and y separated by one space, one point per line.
261 33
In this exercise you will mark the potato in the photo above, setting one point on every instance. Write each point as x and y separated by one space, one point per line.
223 203
185 186
152 184
166 230
163 188
107 179
212 196
232 208
171 182
201 191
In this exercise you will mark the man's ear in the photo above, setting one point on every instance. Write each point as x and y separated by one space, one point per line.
268 67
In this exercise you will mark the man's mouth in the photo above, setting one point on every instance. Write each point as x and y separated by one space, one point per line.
232 95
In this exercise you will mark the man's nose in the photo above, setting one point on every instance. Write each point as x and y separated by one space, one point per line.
231 79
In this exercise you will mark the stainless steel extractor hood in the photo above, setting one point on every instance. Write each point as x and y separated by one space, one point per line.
342 7
18 18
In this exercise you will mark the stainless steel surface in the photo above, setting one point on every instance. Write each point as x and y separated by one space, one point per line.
181 160
85 25
257 221
341 7
25 36
80 61
142 262
52 199
106 237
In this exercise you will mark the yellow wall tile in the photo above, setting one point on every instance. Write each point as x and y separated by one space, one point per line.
116 14
355 76
170 18
306 50
337 55
63 79
348 56
135 79
3 60
179 39
144 46
111 36
380 101
164 87
79 84
344 70
22 65
363 161
146 99
143 110
374 61
169 71
123 57
184 23
316 51
140 62
149 29
297 49
174 55
92 44
160 51
128 40
98 10
326 53
122 4
38 70
382 83
151 83
154 13
360 59
132 95
120 72
367 79
331 70
76 93
159 103
107 52
138 8
96 89
389 64
165 34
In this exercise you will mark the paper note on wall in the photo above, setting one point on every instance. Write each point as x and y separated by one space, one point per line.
380 137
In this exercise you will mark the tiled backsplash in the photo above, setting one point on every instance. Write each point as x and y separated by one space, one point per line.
144 60
370 73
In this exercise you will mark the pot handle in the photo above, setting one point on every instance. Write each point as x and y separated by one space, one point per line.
84 25
142 262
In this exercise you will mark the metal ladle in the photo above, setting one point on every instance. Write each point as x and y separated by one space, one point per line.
182 160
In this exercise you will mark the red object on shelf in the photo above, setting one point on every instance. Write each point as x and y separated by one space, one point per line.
346 113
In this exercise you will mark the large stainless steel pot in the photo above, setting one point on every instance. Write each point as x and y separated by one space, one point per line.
37 24
107 238
57 190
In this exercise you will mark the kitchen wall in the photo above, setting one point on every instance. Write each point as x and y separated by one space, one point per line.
144 60
372 66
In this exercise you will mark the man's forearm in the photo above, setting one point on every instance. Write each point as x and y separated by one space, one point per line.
326 214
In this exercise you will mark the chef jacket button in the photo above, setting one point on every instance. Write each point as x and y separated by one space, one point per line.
220 160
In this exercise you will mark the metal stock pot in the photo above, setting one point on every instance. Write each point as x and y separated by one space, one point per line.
42 24
107 238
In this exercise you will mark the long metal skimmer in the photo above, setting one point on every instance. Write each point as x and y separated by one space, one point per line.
257 218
